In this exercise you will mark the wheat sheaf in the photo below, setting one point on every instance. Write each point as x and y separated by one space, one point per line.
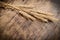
29 12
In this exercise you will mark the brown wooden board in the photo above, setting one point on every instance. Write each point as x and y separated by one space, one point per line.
14 26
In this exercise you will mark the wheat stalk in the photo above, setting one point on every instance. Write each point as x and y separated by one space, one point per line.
27 11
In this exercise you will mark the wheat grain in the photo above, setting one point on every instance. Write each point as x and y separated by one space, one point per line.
41 16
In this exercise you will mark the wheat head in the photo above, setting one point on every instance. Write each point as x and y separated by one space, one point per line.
29 12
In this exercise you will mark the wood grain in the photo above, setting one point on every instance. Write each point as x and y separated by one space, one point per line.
15 27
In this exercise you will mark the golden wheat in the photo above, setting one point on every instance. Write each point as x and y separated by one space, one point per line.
29 12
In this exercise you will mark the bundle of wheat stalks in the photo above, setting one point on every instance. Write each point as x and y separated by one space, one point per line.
29 12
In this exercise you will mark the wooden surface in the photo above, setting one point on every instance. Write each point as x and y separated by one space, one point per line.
15 27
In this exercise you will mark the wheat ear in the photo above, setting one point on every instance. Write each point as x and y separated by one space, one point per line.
27 12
